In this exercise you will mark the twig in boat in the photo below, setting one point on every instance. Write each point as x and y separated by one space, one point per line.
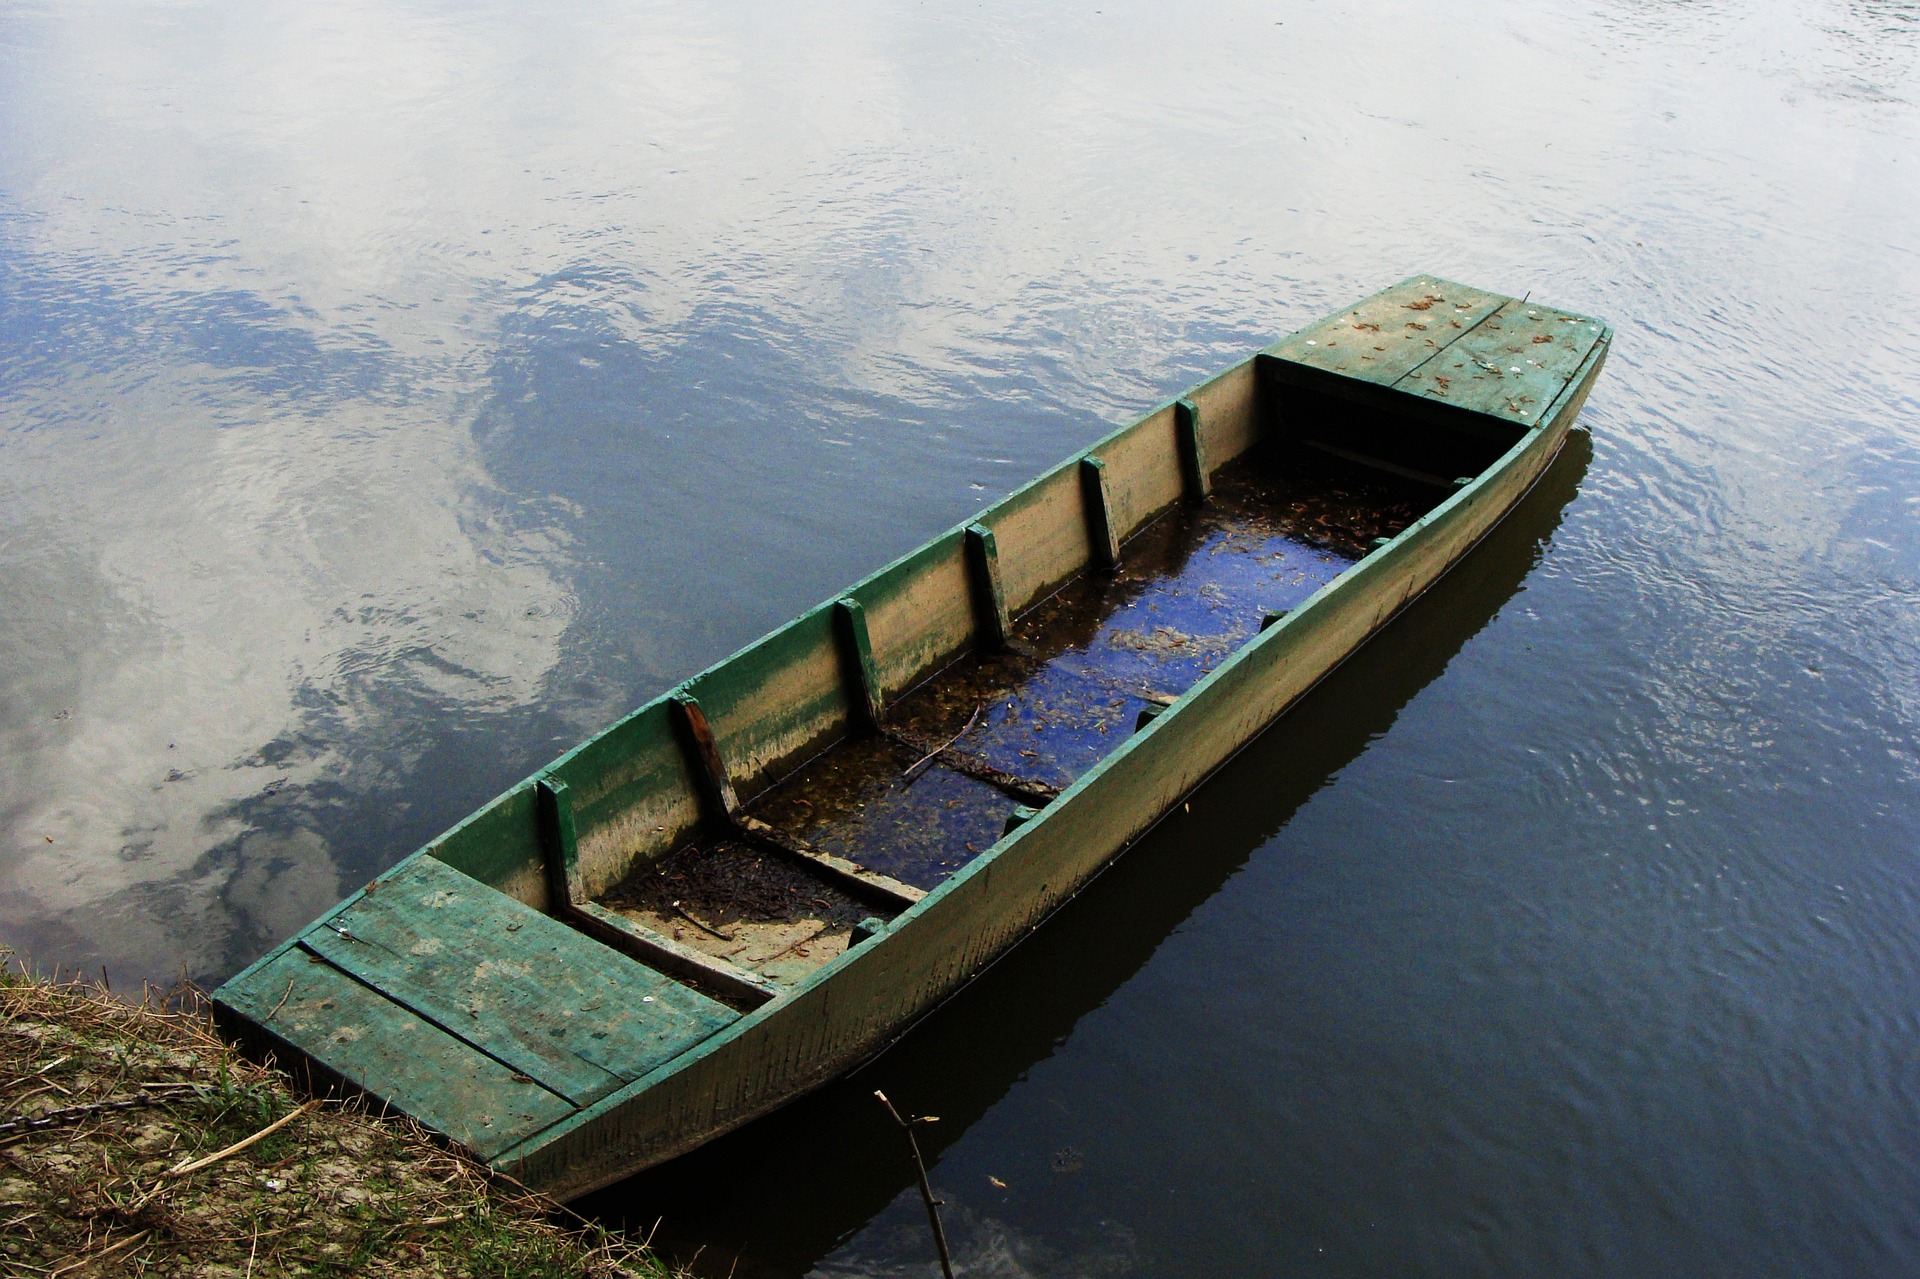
913 770
703 926
282 1004
926 1191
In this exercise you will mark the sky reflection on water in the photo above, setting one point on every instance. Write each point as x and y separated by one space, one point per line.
392 394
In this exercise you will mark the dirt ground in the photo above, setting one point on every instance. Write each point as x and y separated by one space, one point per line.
134 1141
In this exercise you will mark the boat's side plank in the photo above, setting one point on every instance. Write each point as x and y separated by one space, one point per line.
777 700
920 613
632 789
1042 534
1142 466
500 845
1229 418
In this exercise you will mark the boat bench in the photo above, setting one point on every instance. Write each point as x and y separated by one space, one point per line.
479 1016
1425 378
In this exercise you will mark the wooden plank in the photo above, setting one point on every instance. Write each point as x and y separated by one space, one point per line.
1102 538
562 839
633 794
1041 532
1194 473
1385 337
305 1006
1512 366
703 754
1140 473
1231 416
523 988
777 701
990 593
500 847
856 656
849 876
921 612
621 933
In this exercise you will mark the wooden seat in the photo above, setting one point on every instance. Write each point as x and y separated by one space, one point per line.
475 1014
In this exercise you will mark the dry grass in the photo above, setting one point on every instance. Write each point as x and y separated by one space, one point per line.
115 1127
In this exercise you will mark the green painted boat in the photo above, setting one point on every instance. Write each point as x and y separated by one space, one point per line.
748 886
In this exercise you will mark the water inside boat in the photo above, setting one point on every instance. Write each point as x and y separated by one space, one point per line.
996 734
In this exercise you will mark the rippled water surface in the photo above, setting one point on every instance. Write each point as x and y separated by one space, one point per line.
391 394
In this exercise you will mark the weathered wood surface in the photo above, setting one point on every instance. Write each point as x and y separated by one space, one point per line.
1509 366
519 986
680 1068
429 957
307 1013
1390 334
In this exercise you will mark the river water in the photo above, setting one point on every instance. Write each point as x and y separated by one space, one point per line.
391 394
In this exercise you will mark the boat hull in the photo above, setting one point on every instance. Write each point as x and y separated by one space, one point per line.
550 848
820 1033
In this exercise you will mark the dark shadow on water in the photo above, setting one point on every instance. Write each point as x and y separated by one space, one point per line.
777 1197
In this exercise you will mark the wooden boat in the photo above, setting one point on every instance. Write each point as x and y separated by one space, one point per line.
756 881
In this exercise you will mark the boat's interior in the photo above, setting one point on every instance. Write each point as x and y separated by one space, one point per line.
996 733
747 828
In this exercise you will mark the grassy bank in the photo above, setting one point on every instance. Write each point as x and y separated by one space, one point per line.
134 1141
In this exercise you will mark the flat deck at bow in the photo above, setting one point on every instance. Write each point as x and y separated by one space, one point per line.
749 885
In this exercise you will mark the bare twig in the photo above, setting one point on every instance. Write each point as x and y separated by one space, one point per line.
151 1095
912 772
926 1190
102 1255
188 1169
282 1004
703 926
